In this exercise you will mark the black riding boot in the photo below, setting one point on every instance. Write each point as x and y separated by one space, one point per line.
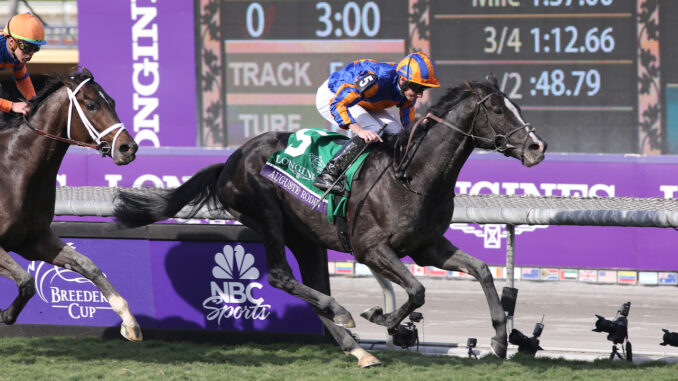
338 165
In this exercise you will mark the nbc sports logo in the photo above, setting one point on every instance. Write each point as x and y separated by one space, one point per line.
233 290
234 263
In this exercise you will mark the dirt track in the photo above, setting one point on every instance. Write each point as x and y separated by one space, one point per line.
456 310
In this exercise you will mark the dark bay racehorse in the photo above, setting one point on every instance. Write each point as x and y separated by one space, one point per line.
70 109
391 212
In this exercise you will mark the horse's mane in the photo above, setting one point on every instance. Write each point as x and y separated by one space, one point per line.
453 96
54 82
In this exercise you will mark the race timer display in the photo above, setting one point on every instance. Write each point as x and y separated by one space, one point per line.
570 65
277 54
585 72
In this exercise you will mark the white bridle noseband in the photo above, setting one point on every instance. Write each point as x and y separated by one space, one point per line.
93 133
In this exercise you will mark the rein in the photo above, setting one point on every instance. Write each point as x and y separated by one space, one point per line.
59 138
500 142
103 147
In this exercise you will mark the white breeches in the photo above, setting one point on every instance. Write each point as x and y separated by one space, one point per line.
370 120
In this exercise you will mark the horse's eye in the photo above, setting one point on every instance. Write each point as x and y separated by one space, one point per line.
91 106
498 110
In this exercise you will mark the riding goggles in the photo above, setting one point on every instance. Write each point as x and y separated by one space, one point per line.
27 47
417 88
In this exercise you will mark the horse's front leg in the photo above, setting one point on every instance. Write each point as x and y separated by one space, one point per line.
383 261
10 269
56 252
445 255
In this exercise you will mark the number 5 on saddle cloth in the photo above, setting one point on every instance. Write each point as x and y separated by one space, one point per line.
294 168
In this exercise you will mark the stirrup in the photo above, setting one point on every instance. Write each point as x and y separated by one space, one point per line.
324 181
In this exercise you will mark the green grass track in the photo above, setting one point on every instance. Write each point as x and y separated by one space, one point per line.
63 358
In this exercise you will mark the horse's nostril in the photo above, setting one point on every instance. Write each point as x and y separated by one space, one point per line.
535 147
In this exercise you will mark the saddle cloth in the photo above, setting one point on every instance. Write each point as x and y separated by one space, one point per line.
294 168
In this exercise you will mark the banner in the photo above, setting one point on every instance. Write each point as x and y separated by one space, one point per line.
169 285
142 53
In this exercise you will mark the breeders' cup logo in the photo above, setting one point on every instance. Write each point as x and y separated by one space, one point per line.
234 290
67 290
492 234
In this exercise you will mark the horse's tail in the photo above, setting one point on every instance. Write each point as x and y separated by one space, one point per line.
135 208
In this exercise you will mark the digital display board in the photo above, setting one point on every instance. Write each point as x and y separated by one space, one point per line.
570 65
277 53
585 72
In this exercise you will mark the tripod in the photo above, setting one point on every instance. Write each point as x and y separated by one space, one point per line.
615 352
628 354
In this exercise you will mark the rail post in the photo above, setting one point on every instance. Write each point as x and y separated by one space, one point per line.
510 251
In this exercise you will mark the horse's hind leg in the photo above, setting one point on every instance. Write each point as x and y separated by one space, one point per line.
312 260
10 269
65 256
280 276
446 256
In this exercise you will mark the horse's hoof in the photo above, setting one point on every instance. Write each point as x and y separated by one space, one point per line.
344 320
131 334
9 320
369 361
373 314
499 347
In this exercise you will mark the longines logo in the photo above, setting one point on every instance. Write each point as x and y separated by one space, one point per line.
492 234
231 298
299 171
68 290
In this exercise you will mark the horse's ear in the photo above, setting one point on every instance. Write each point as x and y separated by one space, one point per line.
87 73
493 80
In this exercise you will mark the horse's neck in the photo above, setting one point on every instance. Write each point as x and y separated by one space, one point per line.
39 156
441 155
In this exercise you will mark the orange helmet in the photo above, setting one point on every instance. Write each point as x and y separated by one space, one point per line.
26 27
418 68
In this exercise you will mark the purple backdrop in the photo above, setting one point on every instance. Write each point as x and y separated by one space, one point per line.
142 53
171 285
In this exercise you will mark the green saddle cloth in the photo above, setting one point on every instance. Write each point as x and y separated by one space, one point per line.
295 168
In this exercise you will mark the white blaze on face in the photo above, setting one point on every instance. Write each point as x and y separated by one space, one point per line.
513 109
515 112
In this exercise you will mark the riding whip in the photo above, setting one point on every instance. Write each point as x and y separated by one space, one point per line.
346 169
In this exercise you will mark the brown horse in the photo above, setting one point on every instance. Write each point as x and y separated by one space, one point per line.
70 109
393 210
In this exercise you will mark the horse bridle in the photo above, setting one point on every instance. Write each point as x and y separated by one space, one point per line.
500 142
103 147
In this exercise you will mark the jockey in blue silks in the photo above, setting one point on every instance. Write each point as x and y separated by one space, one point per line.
357 97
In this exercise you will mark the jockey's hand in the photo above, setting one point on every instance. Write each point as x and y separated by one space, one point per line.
368 136
21 108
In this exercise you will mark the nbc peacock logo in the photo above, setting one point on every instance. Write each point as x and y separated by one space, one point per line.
234 287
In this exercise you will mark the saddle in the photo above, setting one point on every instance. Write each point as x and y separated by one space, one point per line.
294 168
